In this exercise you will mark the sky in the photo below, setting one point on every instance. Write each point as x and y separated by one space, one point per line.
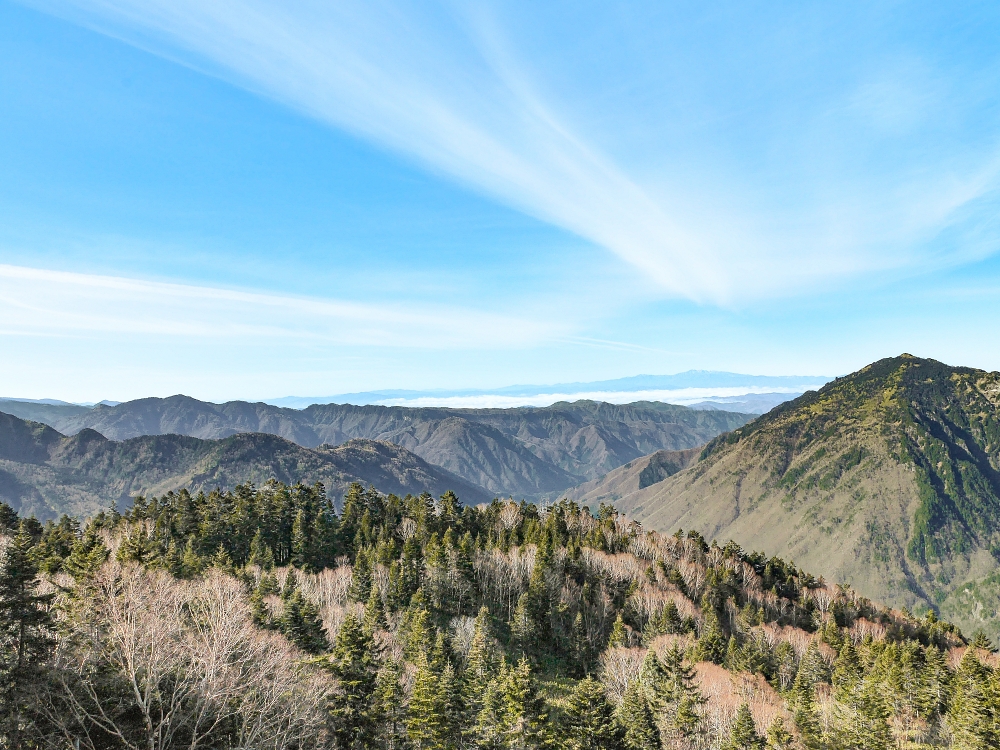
251 199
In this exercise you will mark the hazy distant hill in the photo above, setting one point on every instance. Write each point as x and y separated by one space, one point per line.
46 473
886 479
521 451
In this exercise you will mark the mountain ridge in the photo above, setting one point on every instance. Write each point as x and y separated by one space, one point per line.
46 473
886 479
523 451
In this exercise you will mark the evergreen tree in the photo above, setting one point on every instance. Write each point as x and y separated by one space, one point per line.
354 663
637 719
806 717
87 555
425 724
970 716
712 642
744 734
260 552
589 720
672 691
26 635
846 670
779 738
390 706
866 727
374 618
523 633
301 624
135 546
513 714
619 636
932 696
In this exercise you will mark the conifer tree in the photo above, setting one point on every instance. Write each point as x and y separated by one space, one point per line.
354 663
260 552
452 709
806 717
87 555
670 689
480 665
779 738
26 635
523 633
743 735
589 720
846 670
934 680
301 624
374 618
970 719
619 636
425 724
135 546
390 706
637 719
866 727
712 642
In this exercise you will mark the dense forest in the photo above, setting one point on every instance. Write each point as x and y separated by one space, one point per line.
262 618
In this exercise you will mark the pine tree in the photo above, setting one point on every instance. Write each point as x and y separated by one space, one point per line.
425 722
932 695
451 706
637 720
390 707
374 618
866 727
619 636
744 734
354 663
806 717
300 541
970 717
480 665
361 576
779 738
301 624
847 671
672 691
26 635
589 720
522 628
87 555
712 642
260 552
135 546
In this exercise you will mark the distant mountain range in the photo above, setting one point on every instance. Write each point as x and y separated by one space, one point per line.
887 479
523 452
45 473
691 388
699 389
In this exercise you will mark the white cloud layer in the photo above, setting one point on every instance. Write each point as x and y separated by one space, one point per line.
682 396
37 302
835 191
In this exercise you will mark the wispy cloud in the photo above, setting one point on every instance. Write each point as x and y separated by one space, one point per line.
40 302
824 195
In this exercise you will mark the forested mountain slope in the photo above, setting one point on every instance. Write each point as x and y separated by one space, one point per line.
261 618
45 473
886 479
522 451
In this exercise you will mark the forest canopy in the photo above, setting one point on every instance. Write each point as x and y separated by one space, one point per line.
262 618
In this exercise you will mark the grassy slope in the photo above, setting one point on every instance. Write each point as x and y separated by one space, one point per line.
885 479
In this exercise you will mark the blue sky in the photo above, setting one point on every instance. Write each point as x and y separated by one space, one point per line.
255 199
